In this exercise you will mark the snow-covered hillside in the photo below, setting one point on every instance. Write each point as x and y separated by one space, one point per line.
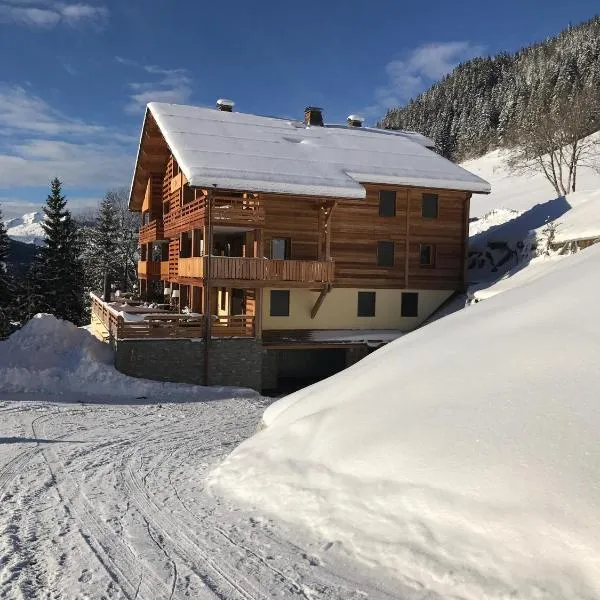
528 201
27 228
462 458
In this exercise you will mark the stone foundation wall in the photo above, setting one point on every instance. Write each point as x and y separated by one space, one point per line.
233 362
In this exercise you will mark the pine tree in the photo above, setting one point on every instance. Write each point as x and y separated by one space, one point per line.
101 255
6 284
57 274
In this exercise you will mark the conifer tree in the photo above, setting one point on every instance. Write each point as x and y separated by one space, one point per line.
57 273
6 284
101 250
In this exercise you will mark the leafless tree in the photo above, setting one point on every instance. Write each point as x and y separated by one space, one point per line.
557 142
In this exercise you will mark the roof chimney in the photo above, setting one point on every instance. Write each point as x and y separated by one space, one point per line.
225 105
355 121
313 116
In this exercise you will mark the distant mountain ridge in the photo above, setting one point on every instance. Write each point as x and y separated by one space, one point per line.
478 106
27 229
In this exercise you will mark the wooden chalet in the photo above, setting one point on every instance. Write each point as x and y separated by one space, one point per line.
298 235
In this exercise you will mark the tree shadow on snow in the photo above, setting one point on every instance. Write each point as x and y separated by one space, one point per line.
207 395
27 440
519 228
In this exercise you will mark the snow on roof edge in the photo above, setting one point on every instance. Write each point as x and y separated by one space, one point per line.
481 185
442 184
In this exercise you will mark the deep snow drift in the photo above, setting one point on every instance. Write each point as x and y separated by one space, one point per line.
53 356
462 458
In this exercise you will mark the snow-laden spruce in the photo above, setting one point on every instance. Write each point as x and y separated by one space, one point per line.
462 458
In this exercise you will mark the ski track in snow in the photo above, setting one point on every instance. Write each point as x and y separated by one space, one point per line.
107 501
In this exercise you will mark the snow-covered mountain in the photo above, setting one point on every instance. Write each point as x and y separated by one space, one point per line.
27 229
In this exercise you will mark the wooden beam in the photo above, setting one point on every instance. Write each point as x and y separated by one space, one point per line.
328 230
258 310
319 301
465 250
207 283
407 257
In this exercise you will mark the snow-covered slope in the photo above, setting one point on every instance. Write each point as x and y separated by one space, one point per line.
528 201
462 458
27 228
51 356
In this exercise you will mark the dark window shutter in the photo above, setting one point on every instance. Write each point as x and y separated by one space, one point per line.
387 203
430 206
280 303
366 304
385 254
410 304
427 255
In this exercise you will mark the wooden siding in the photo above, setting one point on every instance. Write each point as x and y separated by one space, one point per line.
296 218
357 228
347 231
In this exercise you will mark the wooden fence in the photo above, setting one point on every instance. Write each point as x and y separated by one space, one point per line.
165 325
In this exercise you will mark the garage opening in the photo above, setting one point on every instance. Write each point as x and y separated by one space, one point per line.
292 370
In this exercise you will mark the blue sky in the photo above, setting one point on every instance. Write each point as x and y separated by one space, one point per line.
75 74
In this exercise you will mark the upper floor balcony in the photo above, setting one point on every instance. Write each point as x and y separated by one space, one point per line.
232 211
152 231
148 269
258 272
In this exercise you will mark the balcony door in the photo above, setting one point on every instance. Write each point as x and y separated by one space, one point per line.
281 248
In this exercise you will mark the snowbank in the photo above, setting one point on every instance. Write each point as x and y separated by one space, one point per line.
56 357
462 458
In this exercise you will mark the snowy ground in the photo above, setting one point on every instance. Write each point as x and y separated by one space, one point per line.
102 487
108 501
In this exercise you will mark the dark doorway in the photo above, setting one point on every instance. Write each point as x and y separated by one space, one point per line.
300 368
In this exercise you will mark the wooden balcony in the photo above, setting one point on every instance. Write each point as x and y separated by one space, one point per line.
230 211
164 270
168 325
152 232
148 269
259 271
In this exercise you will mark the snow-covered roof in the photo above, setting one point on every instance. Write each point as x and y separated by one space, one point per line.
234 150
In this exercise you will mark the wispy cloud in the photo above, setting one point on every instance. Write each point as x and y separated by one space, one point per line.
412 74
49 13
38 142
161 85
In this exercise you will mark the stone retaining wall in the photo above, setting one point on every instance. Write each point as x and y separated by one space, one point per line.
234 362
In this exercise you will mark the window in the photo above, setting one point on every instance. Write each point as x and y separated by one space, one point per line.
223 297
429 206
385 254
387 203
427 255
410 304
280 303
366 304
281 249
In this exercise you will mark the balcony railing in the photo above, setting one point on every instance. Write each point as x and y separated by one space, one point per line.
259 269
168 325
152 231
230 211
164 270
148 269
